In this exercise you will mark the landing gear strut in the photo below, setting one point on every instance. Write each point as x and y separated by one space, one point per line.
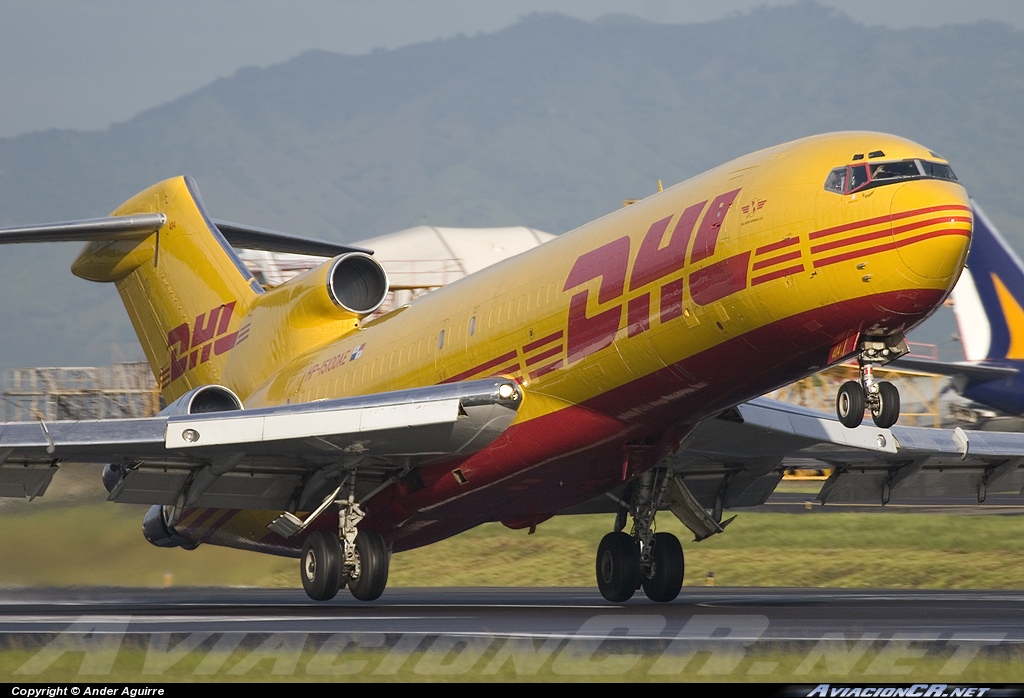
881 398
644 559
358 559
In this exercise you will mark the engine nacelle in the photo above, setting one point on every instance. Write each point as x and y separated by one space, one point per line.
357 283
157 529
112 476
204 399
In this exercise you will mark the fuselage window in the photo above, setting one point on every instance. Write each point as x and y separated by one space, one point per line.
440 340
472 325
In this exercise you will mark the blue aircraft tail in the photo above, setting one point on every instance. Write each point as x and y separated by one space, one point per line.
989 298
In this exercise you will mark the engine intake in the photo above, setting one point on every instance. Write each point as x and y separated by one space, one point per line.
204 399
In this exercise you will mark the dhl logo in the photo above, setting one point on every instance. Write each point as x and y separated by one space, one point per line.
655 261
658 260
208 336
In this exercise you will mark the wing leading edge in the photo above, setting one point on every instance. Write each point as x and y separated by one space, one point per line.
738 458
261 458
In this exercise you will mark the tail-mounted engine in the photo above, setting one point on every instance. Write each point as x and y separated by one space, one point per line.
309 311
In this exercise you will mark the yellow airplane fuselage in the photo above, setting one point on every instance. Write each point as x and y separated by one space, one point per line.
623 333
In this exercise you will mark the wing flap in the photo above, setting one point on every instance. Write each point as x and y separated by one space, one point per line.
261 456
726 457
26 481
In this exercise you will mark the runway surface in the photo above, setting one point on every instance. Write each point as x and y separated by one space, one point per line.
769 614
780 635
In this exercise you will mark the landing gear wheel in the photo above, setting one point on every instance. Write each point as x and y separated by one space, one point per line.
666 576
618 567
850 404
371 575
887 410
320 565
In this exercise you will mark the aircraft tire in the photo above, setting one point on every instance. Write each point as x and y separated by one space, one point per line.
850 404
666 578
618 567
320 565
888 410
374 561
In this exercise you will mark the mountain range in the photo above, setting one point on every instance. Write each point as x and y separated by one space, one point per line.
548 123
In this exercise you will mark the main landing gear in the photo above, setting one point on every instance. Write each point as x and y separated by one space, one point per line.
358 559
643 559
325 569
881 398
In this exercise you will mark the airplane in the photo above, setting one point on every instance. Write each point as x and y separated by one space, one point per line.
618 363
987 303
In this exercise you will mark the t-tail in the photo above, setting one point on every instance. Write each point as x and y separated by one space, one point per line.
186 291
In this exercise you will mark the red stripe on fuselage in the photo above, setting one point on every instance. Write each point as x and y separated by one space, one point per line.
891 245
542 341
825 232
866 237
504 358
770 276
537 358
772 261
781 244
545 369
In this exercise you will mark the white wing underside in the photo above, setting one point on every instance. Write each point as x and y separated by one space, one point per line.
259 459
740 456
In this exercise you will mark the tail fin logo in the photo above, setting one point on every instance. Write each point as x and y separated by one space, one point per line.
190 346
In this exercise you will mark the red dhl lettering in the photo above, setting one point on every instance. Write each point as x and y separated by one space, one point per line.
195 345
656 259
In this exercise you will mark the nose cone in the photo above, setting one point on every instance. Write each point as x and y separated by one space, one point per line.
931 229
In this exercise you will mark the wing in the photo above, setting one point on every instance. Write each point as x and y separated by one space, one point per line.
738 458
741 455
965 372
267 458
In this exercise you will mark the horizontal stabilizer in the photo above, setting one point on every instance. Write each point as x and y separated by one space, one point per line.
88 230
142 224
249 238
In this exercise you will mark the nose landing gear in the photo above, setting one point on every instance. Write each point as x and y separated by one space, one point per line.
881 398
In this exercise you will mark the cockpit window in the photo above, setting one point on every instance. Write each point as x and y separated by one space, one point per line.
894 170
846 180
937 170
858 178
836 180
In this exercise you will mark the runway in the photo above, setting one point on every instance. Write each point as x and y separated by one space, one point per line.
789 615
466 630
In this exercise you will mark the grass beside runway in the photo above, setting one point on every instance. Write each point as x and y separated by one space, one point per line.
102 544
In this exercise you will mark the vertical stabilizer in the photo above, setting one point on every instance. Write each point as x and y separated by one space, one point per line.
184 288
989 298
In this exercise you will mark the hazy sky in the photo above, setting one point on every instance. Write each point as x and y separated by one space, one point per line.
84 65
